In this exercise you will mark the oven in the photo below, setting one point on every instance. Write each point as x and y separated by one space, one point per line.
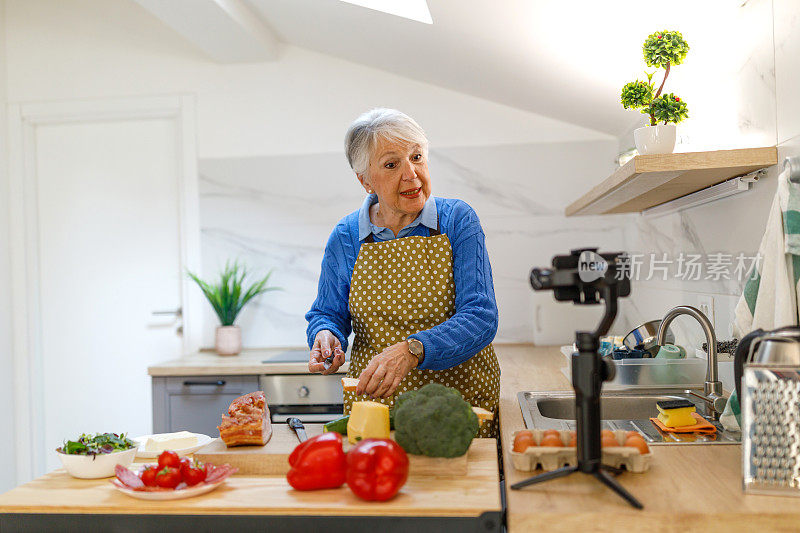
313 398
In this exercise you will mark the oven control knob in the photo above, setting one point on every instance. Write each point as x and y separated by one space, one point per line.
303 392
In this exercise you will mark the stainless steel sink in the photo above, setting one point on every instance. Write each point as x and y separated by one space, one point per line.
626 410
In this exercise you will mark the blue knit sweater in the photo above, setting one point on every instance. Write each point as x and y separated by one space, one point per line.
468 331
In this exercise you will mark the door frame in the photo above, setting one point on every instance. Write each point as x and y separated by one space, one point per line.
26 334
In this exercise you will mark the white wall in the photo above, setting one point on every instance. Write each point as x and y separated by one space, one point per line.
301 103
7 466
768 86
295 111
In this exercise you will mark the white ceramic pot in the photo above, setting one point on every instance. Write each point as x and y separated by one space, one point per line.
658 139
96 466
228 340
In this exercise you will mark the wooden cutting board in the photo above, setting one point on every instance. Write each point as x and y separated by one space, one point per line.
273 457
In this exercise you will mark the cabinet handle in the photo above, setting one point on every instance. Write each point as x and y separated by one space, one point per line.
218 383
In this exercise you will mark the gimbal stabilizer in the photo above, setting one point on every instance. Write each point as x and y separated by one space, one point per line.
586 277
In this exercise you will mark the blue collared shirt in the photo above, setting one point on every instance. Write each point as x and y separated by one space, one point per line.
474 323
427 217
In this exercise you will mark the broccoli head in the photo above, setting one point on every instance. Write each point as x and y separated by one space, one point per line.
434 421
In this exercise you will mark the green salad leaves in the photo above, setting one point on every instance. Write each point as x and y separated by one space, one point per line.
97 444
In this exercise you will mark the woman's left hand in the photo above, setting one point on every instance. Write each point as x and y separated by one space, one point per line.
386 370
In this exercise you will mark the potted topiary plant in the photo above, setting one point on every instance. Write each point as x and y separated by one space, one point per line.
227 298
662 49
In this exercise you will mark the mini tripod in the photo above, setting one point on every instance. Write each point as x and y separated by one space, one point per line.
586 277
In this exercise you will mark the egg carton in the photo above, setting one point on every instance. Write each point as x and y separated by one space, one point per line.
554 457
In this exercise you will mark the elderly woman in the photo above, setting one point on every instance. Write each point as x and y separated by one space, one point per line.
411 274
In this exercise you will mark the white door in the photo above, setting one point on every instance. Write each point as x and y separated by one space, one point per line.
108 213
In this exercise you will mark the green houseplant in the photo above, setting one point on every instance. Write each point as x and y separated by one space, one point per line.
661 49
228 297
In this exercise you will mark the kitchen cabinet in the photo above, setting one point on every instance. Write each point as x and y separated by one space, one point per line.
195 403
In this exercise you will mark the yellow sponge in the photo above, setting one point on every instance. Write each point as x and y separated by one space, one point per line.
676 413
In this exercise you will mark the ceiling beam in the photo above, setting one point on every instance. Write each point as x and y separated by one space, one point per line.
227 30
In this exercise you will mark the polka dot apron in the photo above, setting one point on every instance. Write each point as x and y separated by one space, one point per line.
404 286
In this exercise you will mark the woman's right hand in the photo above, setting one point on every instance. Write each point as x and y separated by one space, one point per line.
325 345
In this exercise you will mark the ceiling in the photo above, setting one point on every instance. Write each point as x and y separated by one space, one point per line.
564 59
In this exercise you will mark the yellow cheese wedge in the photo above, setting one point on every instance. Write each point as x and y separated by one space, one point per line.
368 420
349 384
483 414
675 418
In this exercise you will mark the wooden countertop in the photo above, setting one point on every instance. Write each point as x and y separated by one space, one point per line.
422 496
687 487
249 362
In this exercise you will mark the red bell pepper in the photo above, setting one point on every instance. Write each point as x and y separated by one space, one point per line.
376 469
318 463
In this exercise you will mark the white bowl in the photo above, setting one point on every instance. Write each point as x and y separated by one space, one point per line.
97 466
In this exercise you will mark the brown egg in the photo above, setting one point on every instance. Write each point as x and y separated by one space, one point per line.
607 433
551 440
523 441
636 441
573 440
551 432
607 441
629 434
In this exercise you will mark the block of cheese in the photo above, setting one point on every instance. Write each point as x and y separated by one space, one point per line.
368 420
170 441
482 414
349 384
676 413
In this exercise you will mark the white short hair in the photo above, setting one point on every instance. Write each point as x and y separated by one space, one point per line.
362 135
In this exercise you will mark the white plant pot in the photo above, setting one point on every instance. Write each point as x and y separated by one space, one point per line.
658 139
228 340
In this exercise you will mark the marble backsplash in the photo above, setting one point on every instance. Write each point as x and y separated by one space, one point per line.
277 212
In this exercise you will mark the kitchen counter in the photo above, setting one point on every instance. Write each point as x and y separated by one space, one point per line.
458 503
262 361
687 487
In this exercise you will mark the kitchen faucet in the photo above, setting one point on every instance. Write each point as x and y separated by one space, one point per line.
712 389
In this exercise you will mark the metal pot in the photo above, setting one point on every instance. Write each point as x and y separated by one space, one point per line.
643 337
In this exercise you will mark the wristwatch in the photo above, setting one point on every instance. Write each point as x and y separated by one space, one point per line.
417 349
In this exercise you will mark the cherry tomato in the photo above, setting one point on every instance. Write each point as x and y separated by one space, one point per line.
193 473
168 477
169 458
149 476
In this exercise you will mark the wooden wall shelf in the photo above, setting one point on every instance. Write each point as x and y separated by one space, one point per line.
649 180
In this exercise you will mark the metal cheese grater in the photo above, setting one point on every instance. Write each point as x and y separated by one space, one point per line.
771 429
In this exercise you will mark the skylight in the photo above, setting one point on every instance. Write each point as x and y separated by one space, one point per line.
410 9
